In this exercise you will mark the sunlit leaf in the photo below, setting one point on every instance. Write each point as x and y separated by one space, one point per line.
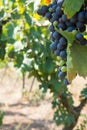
72 6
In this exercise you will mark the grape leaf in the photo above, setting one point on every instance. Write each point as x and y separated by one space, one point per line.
77 61
84 92
70 36
49 66
72 6
7 32
70 68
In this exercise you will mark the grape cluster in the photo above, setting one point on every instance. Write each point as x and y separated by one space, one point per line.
55 14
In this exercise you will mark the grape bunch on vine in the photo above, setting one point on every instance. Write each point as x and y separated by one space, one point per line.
68 36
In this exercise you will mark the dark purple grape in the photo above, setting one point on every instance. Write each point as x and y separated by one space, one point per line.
62 26
68 24
81 16
84 42
63 54
48 15
51 28
81 26
43 10
73 20
56 35
55 16
61 75
54 7
60 20
60 47
66 82
59 10
70 29
53 19
57 52
79 37
64 17
63 41
39 11
53 46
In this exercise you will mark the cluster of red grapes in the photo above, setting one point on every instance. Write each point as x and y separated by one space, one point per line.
55 14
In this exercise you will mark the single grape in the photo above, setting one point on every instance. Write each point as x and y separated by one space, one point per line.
63 41
59 10
48 15
81 26
53 46
54 7
57 52
62 62
51 28
73 20
55 16
79 36
68 24
63 54
66 82
56 35
52 20
55 23
60 20
62 26
61 75
60 46
63 69
81 16
64 17
70 29
39 11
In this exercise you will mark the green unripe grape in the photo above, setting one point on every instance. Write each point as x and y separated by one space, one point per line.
62 62
50 10
59 58
64 69
55 23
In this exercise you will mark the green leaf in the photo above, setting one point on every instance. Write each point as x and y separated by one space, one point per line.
77 61
28 18
7 32
43 86
72 6
1 117
2 13
31 5
70 36
49 66
70 68
84 92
